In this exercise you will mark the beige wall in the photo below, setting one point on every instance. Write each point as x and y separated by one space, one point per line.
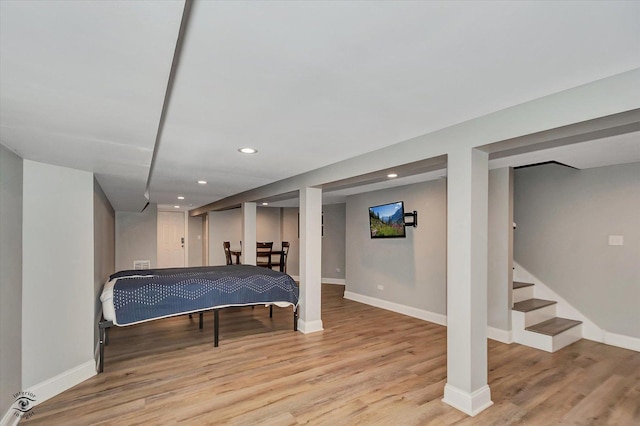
136 237
104 243
195 238
10 277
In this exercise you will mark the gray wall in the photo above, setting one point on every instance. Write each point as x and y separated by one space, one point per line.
333 241
223 226
195 241
564 218
413 270
10 277
136 237
57 271
104 246
500 249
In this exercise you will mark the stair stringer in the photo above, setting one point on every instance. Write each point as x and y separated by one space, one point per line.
590 330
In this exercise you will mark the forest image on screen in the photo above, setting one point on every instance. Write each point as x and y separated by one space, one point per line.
387 221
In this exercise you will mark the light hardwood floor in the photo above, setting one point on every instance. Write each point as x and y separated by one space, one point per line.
369 366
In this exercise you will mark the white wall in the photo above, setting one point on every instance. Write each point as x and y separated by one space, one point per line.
10 277
564 218
412 270
136 237
58 255
104 243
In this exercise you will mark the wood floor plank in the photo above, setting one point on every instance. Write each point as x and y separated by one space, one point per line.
369 366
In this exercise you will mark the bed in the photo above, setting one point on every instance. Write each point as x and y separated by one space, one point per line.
137 296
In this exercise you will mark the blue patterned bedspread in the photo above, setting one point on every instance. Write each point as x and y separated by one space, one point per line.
176 291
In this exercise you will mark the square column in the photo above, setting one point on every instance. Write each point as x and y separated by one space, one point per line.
467 228
309 316
249 233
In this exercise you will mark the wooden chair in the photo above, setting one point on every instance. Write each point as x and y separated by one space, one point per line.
285 254
227 252
263 254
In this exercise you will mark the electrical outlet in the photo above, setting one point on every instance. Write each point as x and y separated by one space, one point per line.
337 269
380 287
616 240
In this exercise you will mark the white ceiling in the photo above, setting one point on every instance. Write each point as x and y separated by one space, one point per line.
82 84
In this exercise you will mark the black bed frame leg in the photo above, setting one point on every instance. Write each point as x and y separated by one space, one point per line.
103 333
216 327
201 319
270 311
295 319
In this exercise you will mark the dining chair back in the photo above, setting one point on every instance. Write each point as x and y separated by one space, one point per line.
263 254
285 255
227 252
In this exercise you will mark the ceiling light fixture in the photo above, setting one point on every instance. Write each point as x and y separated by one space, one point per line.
176 207
202 182
180 197
247 150
392 175
265 204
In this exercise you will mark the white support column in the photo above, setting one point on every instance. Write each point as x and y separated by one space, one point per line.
249 233
467 224
309 319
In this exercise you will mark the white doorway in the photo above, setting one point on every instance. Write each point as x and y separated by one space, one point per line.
171 239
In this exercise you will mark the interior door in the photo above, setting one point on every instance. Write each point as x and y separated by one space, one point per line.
170 239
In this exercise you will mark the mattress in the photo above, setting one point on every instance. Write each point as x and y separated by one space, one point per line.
133 297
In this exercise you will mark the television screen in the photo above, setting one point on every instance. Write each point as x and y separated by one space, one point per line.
387 220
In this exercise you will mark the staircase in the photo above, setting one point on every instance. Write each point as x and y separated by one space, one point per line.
534 321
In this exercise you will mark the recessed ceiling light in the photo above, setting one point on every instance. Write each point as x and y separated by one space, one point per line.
180 197
248 150
176 207
202 182
392 175
265 204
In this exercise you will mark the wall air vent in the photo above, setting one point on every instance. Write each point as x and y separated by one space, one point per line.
141 264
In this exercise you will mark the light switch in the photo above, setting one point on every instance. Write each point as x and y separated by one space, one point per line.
616 240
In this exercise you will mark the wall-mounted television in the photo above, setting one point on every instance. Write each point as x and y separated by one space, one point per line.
387 220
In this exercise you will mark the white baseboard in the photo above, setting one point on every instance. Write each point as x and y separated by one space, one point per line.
9 418
338 281
504 336
309 327
469 403
396 307
63 381
626 342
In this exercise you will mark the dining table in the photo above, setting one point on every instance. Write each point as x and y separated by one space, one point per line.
238 252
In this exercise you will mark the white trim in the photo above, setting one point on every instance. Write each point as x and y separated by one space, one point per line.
309 327
504 336
396 307
469 403
63 381
621 341
338 281
9 419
